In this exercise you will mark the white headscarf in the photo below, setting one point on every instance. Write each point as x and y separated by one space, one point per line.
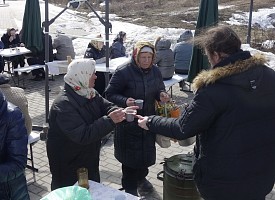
78 75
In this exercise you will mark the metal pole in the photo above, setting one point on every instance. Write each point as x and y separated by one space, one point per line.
47 99
107 29
249 23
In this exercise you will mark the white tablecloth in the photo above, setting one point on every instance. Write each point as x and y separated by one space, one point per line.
14 52
99 191
60 66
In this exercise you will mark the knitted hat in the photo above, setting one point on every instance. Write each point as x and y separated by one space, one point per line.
186 35
146 50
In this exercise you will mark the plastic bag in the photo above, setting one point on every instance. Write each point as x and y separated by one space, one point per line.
170 110
69 193
167 110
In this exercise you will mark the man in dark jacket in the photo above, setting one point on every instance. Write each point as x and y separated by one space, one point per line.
13 152
233 115
134 147
38 58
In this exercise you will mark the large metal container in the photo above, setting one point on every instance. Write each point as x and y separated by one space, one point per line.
178 183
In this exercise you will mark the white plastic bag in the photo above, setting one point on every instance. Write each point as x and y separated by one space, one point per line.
69 193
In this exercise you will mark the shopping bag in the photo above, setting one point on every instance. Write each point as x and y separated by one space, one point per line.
167 110
170 109
69 193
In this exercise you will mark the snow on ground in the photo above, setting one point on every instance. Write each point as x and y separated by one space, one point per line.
85 25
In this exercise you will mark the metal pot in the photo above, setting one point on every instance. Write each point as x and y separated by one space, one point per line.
178 182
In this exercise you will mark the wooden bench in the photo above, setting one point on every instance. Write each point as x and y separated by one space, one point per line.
26 69
32 139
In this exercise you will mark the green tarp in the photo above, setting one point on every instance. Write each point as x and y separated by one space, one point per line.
208 16
31 28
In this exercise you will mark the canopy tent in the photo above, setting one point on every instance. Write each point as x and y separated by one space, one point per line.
208 16
31 28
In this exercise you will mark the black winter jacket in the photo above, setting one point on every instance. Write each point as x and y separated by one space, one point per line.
135 147
92 52
13 152
117 49
77 125
233 113
14 43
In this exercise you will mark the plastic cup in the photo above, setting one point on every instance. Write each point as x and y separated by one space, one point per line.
82 175
139 103
130 115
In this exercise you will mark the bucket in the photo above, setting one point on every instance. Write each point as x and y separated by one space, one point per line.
178 182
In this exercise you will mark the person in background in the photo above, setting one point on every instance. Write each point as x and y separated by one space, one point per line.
232 114
64 47
164 58
11 40
96 50
117 49
183 52
13 152
135 147
2 62
16 96
39 59
79 118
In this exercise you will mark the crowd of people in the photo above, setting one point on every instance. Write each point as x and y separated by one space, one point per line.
232 116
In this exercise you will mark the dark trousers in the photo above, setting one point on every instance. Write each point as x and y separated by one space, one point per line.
17 60
2 64
37 61
100 83
131 177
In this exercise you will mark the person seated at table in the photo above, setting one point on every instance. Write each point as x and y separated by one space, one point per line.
13 152
164 58
64 46
11 39
39 59
183 52
16 96
96 50
79 117
134 147
117 49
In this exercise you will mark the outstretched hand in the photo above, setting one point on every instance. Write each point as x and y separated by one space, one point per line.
142 121
117 115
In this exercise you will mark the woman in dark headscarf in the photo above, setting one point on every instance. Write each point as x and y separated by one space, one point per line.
117 49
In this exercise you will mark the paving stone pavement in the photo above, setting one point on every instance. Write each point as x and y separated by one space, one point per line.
110 168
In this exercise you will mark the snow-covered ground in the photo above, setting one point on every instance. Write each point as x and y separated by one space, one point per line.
84 26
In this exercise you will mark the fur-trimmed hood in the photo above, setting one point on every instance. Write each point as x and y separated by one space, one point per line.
231 73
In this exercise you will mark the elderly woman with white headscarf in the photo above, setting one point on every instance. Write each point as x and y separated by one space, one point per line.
79 118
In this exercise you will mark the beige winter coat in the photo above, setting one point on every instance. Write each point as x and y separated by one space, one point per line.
17 97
